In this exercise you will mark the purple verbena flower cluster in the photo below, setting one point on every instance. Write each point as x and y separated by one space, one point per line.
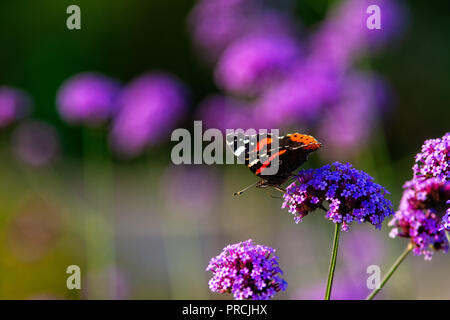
424 212
351 194
419 216
246 270
434 159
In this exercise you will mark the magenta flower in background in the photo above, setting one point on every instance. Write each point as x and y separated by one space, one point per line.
351 194
214 24
248 271
347 124
150 106
420 214
434 159
36 143
14 104
424 210
344 36
253 62
316 88
88 98
223 112
300 96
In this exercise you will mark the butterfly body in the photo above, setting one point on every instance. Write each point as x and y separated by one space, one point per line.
260 152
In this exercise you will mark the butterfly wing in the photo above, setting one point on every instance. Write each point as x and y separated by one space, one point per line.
259 152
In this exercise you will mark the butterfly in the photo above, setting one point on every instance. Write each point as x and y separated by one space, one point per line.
263 153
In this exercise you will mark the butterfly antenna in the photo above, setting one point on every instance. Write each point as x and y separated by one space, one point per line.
245 189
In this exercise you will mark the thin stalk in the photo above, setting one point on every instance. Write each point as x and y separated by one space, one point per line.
98 219
390 272
448 236
333 261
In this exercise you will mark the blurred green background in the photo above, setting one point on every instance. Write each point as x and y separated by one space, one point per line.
148 244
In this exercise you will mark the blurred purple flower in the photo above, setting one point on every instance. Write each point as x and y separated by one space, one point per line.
36 143
150 106
253 62
248 271
420 214
196 202
352 195
300 96
224 112
88 98
344 35
14 104
214 24
347 124
434 159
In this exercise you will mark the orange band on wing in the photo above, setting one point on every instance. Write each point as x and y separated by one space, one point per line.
309 141
268 161
262 143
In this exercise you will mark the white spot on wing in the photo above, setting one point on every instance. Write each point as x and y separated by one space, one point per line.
239 151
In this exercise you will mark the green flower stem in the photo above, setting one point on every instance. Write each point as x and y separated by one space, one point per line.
333 261
447 233
391 271
98 217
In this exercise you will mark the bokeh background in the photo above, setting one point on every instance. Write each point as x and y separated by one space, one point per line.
86 176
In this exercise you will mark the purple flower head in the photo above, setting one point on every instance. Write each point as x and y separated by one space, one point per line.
351 194
36 143
14 104
150 107
246 270
251 63
88 98
421 215
434 159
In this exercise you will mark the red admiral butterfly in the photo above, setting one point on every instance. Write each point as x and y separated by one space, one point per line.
292 151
